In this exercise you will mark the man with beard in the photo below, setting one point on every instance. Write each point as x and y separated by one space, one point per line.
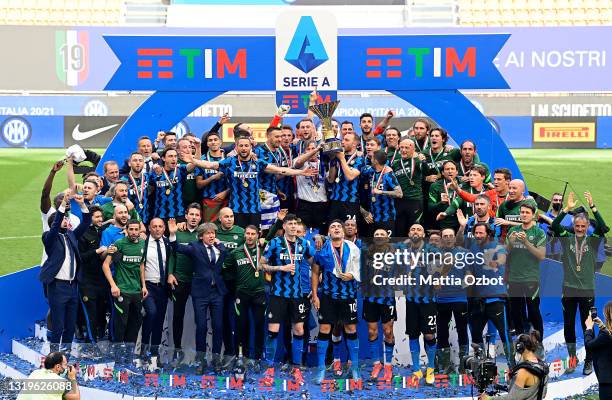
119 192
232 237
420 305
186 153
337 268
366 123
509 212
156 262
346 127
126 286
60 271
380 306
167 139
408 169
307 132
579 260
89 191
243 263
117 230
180 275
343 177
482 207
285 258
286 184
212 182
553 246
527 247
392 138
243 177
489 301
145 148
441 195
270 153
468 160
138 187
421 127
93 286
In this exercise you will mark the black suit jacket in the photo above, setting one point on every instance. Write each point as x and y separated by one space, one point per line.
203 270
601 348
56 249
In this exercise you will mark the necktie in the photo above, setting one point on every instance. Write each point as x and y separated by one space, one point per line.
160 260
211 255
71 253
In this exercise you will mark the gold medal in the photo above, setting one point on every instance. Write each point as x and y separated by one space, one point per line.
411 183
168 192
140 205
256 274
373 199
577 268
337 180
245 184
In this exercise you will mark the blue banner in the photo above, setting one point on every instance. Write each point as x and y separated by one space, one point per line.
192 63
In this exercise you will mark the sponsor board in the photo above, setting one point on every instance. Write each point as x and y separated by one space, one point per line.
259 132
564 133
91 131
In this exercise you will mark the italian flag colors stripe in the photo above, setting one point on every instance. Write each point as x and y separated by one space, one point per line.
72 58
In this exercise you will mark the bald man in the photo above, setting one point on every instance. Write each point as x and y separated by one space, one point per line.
509 212
155 263
232 237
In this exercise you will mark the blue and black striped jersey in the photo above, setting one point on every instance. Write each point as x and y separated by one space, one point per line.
420 291
268 181
342 189
243 183
382 207
331 285
138 193
215 187
169 192
285 284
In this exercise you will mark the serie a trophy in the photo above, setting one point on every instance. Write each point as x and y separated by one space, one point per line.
325 111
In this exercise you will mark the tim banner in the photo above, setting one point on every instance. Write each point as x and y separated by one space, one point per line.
554 133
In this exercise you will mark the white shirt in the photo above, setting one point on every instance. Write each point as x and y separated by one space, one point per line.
215 249
64 272
74 222
152 273
305 186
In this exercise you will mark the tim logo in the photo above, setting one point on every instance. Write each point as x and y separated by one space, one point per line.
306 51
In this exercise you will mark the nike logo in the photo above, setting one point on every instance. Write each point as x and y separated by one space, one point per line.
498 314
78 135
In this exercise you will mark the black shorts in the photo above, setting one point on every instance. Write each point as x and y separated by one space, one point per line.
374 312
420 318
332 311
282 309
342 210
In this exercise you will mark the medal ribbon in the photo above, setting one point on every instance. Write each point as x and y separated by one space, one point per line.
242 178
378 181
579 252
292 254
412 165
338 261
168 178
246 251
351 158
139 192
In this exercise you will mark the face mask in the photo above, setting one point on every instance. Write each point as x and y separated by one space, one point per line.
556 206
64 373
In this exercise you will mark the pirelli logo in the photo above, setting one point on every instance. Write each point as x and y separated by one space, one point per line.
565 132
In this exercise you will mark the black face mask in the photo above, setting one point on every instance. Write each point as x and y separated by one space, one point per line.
556 206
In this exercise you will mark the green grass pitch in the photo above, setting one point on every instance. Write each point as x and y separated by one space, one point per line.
24 171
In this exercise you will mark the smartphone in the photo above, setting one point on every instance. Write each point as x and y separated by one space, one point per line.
593 312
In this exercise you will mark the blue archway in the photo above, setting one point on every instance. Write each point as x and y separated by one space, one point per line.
188 71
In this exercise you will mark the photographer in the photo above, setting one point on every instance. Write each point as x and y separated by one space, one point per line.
601 348
529 378
56 368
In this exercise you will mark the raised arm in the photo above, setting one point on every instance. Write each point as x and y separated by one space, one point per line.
299 162
290 171
600 225
45 196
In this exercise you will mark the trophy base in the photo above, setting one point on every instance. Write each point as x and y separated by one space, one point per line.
332 146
